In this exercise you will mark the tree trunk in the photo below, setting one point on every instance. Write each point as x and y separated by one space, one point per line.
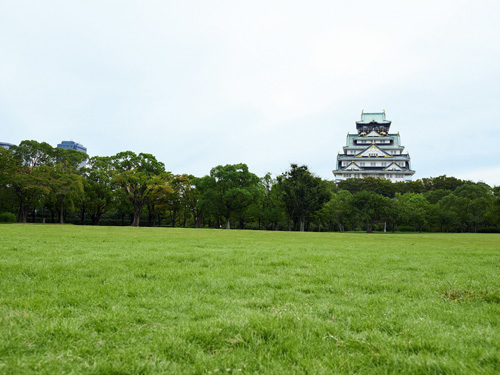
174 218
369 228
23 214
61 214
97 216
302 223
137 214
228 223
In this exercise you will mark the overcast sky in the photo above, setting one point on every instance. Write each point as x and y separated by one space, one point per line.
266 83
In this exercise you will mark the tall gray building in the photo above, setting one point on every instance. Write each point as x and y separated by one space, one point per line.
72 145
6 145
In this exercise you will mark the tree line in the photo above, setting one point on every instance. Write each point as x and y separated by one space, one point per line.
40 183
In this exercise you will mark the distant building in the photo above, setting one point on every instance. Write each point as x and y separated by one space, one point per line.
72 145
373 152
6 145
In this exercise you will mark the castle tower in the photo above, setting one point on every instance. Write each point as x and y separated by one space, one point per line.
373 152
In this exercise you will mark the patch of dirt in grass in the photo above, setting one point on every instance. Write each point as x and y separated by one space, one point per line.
462 295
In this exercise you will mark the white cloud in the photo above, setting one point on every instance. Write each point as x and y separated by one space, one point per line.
263 82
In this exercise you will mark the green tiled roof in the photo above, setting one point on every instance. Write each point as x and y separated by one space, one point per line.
378 117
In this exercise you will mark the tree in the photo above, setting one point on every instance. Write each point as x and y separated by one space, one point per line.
442 183
64 184
8 166
270 209
192 197
478 197
338 210
64 178
371 208
98 189
26 177
414 209
138 176
493 214
302 192
229 189
377 185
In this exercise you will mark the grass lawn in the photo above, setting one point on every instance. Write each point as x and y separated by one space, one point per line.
116 300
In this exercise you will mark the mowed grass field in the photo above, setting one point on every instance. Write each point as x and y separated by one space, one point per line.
116 300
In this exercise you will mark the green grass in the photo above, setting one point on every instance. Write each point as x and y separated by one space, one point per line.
110 300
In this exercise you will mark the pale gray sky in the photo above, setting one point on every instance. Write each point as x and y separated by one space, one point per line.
267 83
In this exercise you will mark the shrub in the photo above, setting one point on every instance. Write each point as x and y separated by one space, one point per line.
488 230
405 228
7 217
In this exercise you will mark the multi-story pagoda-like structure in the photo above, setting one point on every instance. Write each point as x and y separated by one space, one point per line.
373 152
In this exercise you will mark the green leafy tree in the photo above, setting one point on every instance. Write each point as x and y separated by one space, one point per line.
65 185
138 176
8 166
452 213
229 189
414 209
302 192
493 214
371 208
27 179
270 210
338 211
376 185
192 198
442 183
477 198
98 194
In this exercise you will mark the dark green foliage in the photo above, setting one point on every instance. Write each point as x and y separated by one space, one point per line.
229 191
7 217
375 185
139 177
302 193
442 183
405 228
371 208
